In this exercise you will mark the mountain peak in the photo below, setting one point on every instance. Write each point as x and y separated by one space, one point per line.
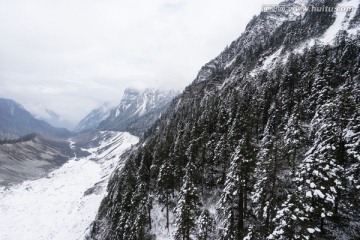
11 104
138 109
94 118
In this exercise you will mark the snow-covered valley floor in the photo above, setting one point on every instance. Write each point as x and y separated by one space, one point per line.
62 205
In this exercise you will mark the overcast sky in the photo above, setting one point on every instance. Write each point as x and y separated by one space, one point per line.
71 56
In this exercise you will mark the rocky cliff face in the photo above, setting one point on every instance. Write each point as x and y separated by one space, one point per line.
138 110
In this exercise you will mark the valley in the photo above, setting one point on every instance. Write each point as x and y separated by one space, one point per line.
63 204
264 143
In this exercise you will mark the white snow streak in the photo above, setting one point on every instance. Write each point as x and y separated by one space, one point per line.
341 22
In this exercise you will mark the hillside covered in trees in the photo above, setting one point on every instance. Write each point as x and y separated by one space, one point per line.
250 151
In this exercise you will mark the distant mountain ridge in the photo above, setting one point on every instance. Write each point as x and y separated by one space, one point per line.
137 111
94 118
16 121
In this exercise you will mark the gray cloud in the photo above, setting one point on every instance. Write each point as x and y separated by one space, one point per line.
72 55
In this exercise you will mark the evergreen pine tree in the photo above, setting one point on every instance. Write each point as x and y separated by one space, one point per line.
206 226
188 207
165 186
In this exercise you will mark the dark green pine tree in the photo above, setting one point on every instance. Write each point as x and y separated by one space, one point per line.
289 220
352 190
206 226
188 207
234 198
294 138
229 200
141 224
269 188
142 202
326 187
165 187
121 215
348 116
320 177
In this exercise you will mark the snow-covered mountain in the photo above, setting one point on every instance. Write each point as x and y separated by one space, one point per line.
264 144
94 118
274 28
138 110
258 30
63 204
15 122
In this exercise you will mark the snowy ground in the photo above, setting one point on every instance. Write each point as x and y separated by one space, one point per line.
57 207
158 223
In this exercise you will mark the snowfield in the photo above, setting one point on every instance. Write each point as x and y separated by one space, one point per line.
62 205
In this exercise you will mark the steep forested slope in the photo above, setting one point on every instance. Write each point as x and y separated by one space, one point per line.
264 145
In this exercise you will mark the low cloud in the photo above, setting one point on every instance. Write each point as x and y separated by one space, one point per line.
72 55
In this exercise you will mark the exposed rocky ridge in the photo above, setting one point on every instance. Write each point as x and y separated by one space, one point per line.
253 40
138 110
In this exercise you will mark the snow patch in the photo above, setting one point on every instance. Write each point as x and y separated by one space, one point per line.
158 222
341 22
268 64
